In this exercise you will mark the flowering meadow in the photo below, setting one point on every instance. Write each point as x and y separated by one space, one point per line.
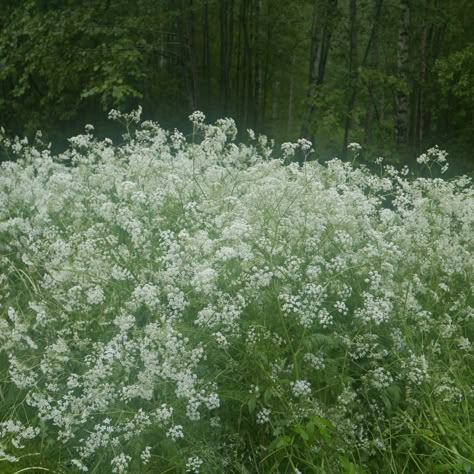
174 304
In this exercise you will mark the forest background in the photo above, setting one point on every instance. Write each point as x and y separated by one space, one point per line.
396 76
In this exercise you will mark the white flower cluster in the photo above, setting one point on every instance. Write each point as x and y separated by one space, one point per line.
434 155
146 455
175 433
133 116
263 416
417 369
301 388
289 148
317 362
380 378
143 285
355 147
194 464
197 117
17 434
120 463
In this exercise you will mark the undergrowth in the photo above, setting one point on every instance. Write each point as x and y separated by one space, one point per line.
192 304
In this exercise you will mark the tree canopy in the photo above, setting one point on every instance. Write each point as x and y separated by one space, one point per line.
394 75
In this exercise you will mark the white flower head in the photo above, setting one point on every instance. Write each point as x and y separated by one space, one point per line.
197 117
263 416
301 388
194 464
175 433
95 295
120 463
305 144
355 147
145 455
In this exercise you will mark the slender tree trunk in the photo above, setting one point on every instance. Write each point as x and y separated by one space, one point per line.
186 34
182 40
223 5
275 103
238 74
402 97
421 92
206 55
417 116
192 55
324 14
291 92
433 45
353 60
246 65
373 106
226 19
258 102
230 53
266 68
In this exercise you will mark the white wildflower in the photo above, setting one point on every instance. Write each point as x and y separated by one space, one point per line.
145 455
197 117
120 463
354 147
175 433
263 416
301 388
194 464
95 295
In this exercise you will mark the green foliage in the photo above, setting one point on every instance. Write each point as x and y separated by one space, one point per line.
455 75
71 59
65 63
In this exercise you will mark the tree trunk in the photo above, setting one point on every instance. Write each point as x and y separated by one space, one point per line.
289 124
353 60
226 20
434 44
373 106
266 68
186 34
238 69
206 55
246 93
421 92
402 97
258 94
324 14
223 86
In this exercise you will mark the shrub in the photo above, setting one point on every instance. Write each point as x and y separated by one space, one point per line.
176 304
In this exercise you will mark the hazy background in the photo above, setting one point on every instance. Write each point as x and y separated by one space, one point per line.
396 76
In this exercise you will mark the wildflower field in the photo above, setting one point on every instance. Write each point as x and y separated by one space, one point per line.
177 304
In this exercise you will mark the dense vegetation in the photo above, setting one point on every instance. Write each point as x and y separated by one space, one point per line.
199 305
394 75
208 300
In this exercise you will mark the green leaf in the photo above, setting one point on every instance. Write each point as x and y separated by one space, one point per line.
443 467
252 403
283 441
298 429
267 395
348 466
